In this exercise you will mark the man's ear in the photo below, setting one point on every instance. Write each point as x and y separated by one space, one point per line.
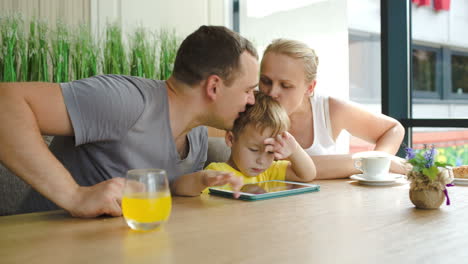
311 87
229 137
211 86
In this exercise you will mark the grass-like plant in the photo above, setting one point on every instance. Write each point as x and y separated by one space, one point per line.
143 54
9 35
84 54
115 56
60 53
34 53
38 49
167 53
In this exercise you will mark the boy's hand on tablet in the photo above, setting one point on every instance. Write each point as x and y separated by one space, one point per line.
283 145
219 178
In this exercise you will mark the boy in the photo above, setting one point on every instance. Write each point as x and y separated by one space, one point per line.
260 136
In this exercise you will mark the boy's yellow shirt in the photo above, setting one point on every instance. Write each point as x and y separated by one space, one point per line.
277 171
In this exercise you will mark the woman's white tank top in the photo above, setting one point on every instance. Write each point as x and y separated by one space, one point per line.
323 136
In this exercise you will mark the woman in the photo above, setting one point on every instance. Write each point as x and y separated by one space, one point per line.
288 74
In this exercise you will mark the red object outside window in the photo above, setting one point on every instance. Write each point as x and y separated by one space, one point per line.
422 2
442 5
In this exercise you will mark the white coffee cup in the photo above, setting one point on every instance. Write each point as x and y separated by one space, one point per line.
373 168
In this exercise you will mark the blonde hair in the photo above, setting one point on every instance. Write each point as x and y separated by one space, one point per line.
297 50
265 113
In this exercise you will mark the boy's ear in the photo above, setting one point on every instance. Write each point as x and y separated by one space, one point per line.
311 87
229 137
211 86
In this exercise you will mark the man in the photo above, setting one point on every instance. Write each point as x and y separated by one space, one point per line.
106 125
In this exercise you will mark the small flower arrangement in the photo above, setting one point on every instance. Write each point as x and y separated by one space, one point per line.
424 161
429 178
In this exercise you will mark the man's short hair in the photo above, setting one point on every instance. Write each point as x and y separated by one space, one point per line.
265 113
211 50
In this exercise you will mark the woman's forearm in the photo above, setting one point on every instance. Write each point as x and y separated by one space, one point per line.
334 166
391 140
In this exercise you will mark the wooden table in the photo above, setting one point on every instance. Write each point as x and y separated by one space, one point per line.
343 223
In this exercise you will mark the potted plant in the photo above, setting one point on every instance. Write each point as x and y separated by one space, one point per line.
428 178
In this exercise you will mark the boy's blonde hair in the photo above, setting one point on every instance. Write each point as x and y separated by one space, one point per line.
265 113
297 50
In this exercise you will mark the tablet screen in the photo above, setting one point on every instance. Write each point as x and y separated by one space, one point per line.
270 187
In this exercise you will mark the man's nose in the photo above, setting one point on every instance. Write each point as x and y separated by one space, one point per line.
251 99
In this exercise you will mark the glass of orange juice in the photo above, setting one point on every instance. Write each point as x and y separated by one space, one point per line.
146 201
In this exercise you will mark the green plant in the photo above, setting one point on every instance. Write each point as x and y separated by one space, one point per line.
84 55
9 35
167 53
143 54
115 57
60 53
38 47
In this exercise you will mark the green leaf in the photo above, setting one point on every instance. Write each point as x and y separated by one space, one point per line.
431 172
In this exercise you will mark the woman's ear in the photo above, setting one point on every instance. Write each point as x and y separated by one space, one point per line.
311 88
211 86
229 137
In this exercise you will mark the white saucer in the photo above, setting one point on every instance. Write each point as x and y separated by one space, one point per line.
389 179
460 181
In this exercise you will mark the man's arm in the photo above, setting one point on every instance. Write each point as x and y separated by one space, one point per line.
28 110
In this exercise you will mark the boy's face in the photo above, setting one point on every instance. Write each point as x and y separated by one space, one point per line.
248 151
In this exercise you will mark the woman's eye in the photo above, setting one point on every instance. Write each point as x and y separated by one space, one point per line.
265 81
253 150
286 86
271 152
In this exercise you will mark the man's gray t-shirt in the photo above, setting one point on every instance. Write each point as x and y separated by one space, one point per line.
122 123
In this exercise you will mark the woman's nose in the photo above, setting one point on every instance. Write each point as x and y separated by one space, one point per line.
274 91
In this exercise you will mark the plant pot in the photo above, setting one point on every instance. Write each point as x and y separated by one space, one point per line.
427 198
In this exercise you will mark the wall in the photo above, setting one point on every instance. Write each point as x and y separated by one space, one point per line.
184 16
73 12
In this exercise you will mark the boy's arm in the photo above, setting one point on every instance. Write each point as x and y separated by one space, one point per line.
285 146
194 183
302 168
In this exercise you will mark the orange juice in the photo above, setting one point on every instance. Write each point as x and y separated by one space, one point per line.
146 208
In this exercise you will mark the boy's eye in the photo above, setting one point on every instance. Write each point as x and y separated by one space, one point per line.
253 150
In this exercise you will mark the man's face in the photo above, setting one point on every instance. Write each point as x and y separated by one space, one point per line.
248 151
234 98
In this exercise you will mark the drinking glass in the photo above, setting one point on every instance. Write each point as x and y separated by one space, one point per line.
146 201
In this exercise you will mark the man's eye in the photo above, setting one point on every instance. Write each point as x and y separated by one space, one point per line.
253 150
271 152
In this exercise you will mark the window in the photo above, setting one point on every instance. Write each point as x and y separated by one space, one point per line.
459 80
427 72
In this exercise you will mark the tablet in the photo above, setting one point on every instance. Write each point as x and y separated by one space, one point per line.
266 190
